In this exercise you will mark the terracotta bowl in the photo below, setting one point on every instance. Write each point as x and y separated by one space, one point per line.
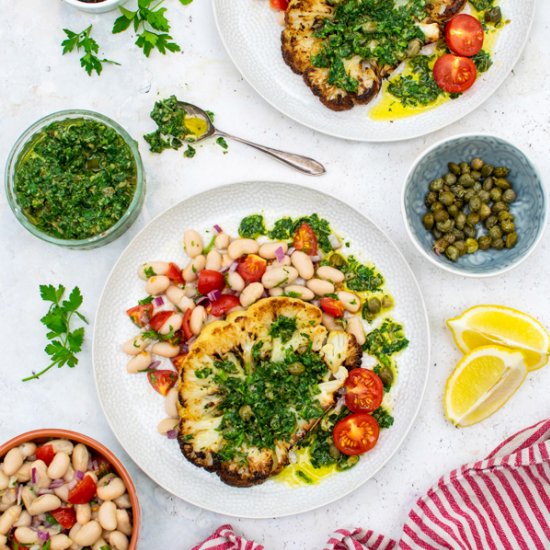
41 436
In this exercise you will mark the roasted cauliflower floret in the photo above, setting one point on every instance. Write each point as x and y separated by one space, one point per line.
341 349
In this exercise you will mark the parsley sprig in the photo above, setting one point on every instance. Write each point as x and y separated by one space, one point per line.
146 20
64 342
83 41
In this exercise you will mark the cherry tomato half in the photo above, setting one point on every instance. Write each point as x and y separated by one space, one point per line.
178 360
210 280
454 74
159 319
174 274
364 391
162 380
356 434
279 4
84 491
186 324
305 239
66 517
252 268
223 304
332 307
464 35
45 453
140 314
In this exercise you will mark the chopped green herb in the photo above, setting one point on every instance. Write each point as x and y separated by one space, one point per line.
222 143
482 5
146 300
282 230
203 373
283 328
149 272
386 340
383 417
171 131
361 278
482 61
252 226
190 152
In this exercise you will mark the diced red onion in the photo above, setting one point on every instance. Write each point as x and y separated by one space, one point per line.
264 294
154 365
158 301
316 258
56 483
191 340
95 464
33 475
291 250
334 241
44 491
185 348
72 484
233 267
203 301
214 295
279 254
171 434
79 475
218 228
43 535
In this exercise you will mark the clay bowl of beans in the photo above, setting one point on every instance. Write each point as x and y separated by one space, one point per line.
61 490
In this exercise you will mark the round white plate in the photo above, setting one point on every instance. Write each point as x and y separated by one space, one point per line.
133 408
251 33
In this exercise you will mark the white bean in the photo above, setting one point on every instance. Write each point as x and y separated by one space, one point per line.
27 496
88 534
118 541
62 492
267 250
185 303
351 301
320 287
302 262
25 519
192 243
8 518
165 349
170 403
251 293
167 425
83 513
300 291
175 294
149 269
280 276
235 281
13 461
74 530
198 316
107 516
330 323
80 458
113 489
173 323
157 285
43 504
240 247
42 478
28 448
190 290
59 465
214 260
25 535
135 345
69 474
123 501
4 480
123 523
100 544
284 262
355 327
24 473
226 261
3 542
139 362
61 445
330 274
8 499
60 542
221 242
193 268
277 291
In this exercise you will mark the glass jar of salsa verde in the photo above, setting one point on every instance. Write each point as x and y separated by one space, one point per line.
75 179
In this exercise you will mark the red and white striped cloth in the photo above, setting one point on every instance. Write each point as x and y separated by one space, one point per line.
500 503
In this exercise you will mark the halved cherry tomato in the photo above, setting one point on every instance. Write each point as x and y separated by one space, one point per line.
140 314
159 319
364 391
279 4
356 434
332 307
252 268
223 304
162 380
210 280
178 360
66 517
45 453
84 491
464 35
454 74
305 239
174 274
186 324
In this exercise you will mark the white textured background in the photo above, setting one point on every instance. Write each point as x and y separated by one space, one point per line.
36 80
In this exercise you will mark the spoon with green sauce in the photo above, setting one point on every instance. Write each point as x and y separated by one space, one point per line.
200 125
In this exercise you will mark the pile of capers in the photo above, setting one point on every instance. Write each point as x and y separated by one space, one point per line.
470 196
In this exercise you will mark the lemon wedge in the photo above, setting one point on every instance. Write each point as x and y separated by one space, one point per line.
482 382
488 324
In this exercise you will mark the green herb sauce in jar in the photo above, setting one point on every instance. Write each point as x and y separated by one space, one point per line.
75 179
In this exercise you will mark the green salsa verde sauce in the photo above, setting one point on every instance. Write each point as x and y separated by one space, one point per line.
75 178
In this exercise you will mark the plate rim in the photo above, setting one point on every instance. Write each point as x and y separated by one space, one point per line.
329 500
398 138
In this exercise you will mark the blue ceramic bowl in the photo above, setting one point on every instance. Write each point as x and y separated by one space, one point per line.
530 208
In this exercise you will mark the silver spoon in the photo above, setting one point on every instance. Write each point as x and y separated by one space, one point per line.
304 164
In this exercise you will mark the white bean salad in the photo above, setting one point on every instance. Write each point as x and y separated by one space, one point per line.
60 495
299 258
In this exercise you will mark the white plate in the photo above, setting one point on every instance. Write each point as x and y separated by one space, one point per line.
251 34
133 409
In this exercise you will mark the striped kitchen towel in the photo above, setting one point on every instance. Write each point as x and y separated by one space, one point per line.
500 503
